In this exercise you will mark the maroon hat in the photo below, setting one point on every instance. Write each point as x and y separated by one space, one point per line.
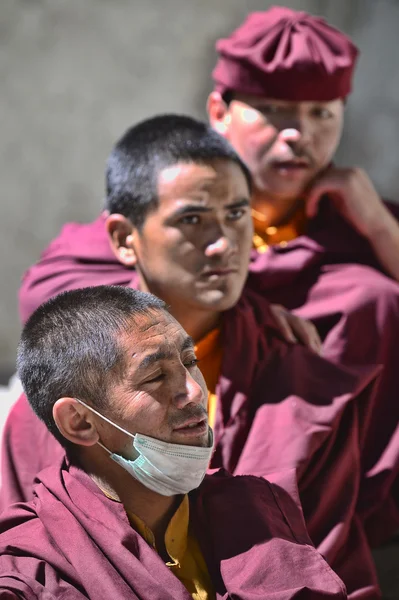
287 55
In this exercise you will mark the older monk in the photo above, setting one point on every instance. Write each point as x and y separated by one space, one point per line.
180 226
126 512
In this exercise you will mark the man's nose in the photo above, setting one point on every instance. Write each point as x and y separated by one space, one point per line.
217 247
296 131
194 393
290 135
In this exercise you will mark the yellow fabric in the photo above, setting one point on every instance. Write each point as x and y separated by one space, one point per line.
209 352
186 560
266 236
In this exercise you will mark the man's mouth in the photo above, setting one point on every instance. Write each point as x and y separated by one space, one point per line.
290 165
193 427
291 170
213 274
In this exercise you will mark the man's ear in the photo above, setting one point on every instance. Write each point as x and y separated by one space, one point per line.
121 235
75 422
218 113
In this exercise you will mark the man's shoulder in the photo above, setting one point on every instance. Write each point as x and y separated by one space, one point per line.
79 238
252 311
271 501
221 481
31 564
22 531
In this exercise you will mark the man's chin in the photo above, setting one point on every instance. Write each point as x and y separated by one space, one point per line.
278 187
220 300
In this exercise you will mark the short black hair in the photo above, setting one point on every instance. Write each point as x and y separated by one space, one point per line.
69 347
146 149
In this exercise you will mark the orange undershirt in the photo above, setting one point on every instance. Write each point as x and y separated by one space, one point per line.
266 236
209 352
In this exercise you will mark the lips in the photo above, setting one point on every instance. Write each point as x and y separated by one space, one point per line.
191 424
290 164
218 272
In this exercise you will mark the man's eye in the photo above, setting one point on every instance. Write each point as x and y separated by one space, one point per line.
269 109
191 363
321 112
156 378
190 220
236 214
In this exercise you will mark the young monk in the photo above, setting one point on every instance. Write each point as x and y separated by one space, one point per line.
127 513
328 246
180 226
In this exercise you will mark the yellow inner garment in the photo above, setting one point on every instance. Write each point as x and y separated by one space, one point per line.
209 352
266 236
186 560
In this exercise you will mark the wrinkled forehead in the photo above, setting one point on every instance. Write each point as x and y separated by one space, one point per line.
155 332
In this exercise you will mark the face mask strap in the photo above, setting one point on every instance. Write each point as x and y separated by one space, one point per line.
105 419
104 448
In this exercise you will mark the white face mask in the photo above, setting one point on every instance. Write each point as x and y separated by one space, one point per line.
167 469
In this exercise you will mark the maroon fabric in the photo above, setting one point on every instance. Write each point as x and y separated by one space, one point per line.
331 276
73 542
79 257
288 55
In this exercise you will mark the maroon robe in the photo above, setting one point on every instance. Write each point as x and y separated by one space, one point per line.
71 541
285 408
332 276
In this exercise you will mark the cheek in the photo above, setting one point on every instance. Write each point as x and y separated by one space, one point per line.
132 404
165 253
246 247
327 143
251 135
199 378
258 144
148 414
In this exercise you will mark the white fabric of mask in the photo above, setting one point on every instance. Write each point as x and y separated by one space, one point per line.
162 467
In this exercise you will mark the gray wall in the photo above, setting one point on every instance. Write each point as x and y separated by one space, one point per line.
75 73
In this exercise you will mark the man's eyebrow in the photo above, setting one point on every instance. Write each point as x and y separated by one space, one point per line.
188 343
159 355
153 358
190 208
199 208
238 204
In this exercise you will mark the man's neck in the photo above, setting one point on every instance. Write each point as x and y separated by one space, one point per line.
152 508
197 323
274 211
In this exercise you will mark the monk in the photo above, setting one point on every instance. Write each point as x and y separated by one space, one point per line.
127 512
179 224
327 244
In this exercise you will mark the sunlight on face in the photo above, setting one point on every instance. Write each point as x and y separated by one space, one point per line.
250 115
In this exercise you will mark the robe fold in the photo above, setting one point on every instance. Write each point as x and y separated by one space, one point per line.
73 542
